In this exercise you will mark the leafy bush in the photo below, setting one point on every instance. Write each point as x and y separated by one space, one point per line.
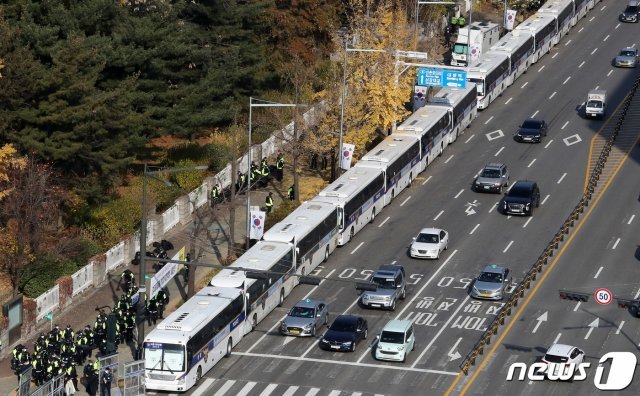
41 274
188 180
108 223
216 155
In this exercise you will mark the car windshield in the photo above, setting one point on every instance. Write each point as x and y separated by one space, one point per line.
343 325
491 173
596 104
163 357
460 49
392 337
427 238
627 53
531 124
491 277
384 283
301 312
555 358
519 191
631 10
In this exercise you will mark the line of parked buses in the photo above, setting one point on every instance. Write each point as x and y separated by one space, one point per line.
191 340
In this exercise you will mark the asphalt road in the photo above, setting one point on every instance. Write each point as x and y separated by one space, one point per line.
447 321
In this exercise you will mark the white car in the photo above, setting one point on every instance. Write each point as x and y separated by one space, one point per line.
558 358
429 243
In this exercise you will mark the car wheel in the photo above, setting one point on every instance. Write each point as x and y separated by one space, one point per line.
404 357
313 331
404 294
366 333
446 246
438 255
326 319
393 305
353 346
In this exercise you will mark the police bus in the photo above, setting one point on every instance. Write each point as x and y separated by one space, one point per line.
312 228
431 126
581 7
490 75
398 157
263 295
563 13
543 30
191 340
519 50
358 196
462 104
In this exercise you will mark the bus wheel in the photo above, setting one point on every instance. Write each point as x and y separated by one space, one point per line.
351 234
281 301
199 375
410 178
373 215
326 255
254 322
229 346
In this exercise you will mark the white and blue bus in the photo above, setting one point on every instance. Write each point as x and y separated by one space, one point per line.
491 76
543 30
563 13
519 50
398 157
358 195
191 340
263 295
581 8
431 126
312 228
462 104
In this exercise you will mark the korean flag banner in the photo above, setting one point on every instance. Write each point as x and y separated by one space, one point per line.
511 18
347 155
257 224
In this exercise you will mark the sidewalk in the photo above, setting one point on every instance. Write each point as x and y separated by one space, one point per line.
212 246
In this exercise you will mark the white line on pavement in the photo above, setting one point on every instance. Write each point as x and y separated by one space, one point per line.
204 387
606 38
509 100
438 215
617 26
448 159
527 222
489 120
384 221
493 207
565 125
524 85
539 70
557 338
553 94
545 199
425 182
631 219
592 18
603 7
567 43
610 71
247 388
598 273
335 393
580 29
594 51
554 56
474 229
582 64
508 246
313 392
268 390
531 163
405 201
290 390
535 114
227 385
561 178
499 151
615 244
548 143
619 327
357 247
637 295
575 309
567 80
470 137
458 194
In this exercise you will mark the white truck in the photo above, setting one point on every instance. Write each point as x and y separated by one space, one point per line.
483 36
595 106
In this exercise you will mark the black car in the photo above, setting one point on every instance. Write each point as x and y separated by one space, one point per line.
531 130
521 198
344 333
630 14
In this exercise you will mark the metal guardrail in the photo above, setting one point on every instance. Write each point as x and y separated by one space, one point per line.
553 245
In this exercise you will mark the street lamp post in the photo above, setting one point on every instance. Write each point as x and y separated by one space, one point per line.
143 237
263 103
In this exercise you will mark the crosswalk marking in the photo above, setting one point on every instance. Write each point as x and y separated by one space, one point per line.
247 388
225 388
290 391
335 393
313 392
267 391
204 387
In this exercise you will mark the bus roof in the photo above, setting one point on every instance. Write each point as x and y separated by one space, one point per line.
387 151
534 25
421 121
555 7
486 63
510 43
193 314
451 96
262 255
350 183
299 222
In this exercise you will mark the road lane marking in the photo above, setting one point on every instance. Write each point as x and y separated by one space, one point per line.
448 159
553 94
493 207
603 7
619 327
582 28
499 151
617 26
425 182
567 80
458 194
335 393
561 178
474 229
565 125
554 55
405 201
268 390
384 221
443 328
204 387
545 199
470 137
247 388
575 309
598 273
508 246
531 163
225 388
313 392
535 114
631 219
548 143
539 70
615 244
507 102
592 18
594 51
567 43
557 338
438 215
357 247
290 390
524 85
582 64
606 38
488 121
527 222
610 71
343 363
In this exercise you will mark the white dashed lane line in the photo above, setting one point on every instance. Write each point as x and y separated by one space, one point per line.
357 247
592 18
580 29
474 229
567 80
405 201
606 38
535 114
575 309
539 70
384 221
531 163
499 151
582 64
619 327
470 137
493 207
527 222
594 51
545 199
617 26
565 125
524 85
548 143
508 246
448 159
598 273
561 177
459 192
425 182
631 219
488 121
507 102
554 55
610 71
438 215
615 244
567 43
553 94
603 7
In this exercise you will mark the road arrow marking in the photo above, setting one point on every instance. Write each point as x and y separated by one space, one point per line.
592 325
469 211
540 319
287 339
453 353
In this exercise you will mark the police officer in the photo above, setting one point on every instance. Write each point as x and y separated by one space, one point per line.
152 311
215 193
253 173
70 371
67 333
25 362
126 279
38 369
69 352
268 202
105 385
280 167
82 347
123 303
264 180
121 330
15 356
132 292
240 181
88 369
291 193
163 299
130 323
186 268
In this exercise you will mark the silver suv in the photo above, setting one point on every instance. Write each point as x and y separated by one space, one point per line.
387 285
493 178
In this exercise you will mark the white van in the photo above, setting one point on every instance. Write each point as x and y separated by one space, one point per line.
395 341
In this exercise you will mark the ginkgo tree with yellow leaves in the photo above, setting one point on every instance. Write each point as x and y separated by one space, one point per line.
375 94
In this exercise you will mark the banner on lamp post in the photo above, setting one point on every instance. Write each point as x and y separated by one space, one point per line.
257 224
510 19
347 155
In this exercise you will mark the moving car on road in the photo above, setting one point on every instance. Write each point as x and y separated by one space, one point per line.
558 358
345 333
628 57
531 130
630 14
493 178
395 341
429 243
521 198
492 283
304 318
388 284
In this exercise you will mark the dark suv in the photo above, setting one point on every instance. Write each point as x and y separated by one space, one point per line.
521 198
531 130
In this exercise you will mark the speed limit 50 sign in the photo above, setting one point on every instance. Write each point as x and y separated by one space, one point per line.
603 296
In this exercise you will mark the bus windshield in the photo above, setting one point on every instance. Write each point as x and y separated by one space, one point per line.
163 357
479 85
460 48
